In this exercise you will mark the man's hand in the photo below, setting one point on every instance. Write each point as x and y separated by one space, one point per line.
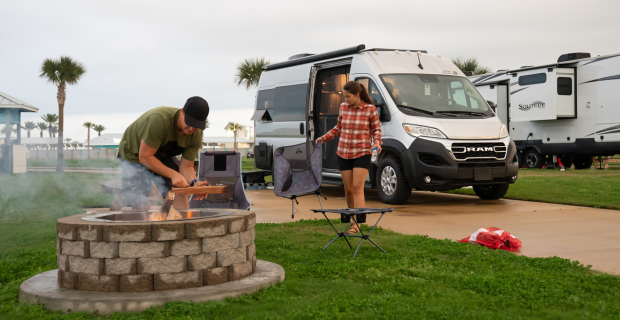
200 196
178 180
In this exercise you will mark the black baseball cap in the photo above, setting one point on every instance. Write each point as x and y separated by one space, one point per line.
196 110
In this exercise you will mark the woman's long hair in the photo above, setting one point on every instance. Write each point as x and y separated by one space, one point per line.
358 88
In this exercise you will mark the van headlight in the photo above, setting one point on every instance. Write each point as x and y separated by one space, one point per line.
503 131
418 131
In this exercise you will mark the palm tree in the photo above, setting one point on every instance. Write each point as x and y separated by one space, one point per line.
471 64
53 131
29 126
249 71
61 72
51 119
235 127
207 124
42 126
88 125
67 140
99 128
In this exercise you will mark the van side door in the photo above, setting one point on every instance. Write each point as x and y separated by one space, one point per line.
328 96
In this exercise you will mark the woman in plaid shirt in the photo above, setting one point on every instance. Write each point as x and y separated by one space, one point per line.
358 125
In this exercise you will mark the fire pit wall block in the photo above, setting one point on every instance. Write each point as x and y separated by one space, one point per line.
155 256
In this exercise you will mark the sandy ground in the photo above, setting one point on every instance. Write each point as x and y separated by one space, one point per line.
588 235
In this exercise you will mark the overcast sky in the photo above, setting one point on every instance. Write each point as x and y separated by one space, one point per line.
144 54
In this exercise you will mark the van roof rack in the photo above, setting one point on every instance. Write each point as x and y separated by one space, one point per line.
316 57
386 49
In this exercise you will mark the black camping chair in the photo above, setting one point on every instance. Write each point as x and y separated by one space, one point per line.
297 172
222 168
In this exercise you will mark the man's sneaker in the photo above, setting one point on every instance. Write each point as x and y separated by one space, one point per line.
562 168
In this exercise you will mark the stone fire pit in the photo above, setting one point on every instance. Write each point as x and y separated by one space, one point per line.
119 252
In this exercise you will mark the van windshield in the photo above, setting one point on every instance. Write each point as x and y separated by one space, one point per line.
435 95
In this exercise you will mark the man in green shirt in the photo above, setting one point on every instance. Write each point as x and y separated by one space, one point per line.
148 150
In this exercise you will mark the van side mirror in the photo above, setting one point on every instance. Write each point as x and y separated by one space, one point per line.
384 114
492 105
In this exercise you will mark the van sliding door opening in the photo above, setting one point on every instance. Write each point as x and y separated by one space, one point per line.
327 99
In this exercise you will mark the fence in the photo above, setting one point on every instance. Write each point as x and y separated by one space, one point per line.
73 154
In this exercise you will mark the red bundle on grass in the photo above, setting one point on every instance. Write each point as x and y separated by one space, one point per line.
494 238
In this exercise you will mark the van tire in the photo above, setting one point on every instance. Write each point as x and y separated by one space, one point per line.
533 159
392 185
491 192
582 162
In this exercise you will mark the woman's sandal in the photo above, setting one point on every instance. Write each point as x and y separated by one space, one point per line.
352 231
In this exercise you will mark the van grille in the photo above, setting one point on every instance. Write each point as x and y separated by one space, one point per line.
466 151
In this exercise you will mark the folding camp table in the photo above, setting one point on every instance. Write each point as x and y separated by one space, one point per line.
352 213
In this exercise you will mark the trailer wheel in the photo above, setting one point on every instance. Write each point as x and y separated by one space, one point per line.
491 192
582 162
520 159
392 185
533 159
567 162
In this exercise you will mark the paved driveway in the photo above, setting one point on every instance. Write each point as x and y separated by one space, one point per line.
588 235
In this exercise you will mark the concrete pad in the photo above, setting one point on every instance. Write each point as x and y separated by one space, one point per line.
585 234
44 289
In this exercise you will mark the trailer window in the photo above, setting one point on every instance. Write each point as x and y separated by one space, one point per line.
290 103
565 86
532 79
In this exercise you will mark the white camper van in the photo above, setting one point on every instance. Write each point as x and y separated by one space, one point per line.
438 131
568 109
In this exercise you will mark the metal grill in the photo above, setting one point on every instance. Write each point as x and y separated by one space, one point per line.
467 151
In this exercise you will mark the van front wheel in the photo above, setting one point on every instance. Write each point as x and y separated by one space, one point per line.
392 185
491 192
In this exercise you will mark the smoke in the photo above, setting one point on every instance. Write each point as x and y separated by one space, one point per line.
136 182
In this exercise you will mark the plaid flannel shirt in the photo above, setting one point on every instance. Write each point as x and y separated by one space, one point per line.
356 126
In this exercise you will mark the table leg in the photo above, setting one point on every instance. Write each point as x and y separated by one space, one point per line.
338 236
361 239
376 245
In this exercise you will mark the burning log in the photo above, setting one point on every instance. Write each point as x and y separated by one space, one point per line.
167 212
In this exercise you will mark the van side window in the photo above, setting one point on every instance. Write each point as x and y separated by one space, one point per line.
532 79
265 99
373 91
329 87
565 86
289 103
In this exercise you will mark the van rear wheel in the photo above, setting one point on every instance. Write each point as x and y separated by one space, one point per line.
491 192
392 185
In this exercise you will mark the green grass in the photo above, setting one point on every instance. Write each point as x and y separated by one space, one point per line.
419 278
591 188
75 163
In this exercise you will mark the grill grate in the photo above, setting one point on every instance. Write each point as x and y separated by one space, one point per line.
465 151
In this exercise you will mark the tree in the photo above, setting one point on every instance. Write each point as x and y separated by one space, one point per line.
88 125
53 131
29 126
51 119
61 72
234 127
249 71
471 64
67 140
99 128
207 124
42 126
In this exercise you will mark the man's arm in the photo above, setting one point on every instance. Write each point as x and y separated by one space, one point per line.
147 158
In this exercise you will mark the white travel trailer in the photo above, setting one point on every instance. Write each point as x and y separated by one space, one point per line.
568 109
438 131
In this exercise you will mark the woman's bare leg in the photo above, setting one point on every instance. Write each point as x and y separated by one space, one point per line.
359 178
347 180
